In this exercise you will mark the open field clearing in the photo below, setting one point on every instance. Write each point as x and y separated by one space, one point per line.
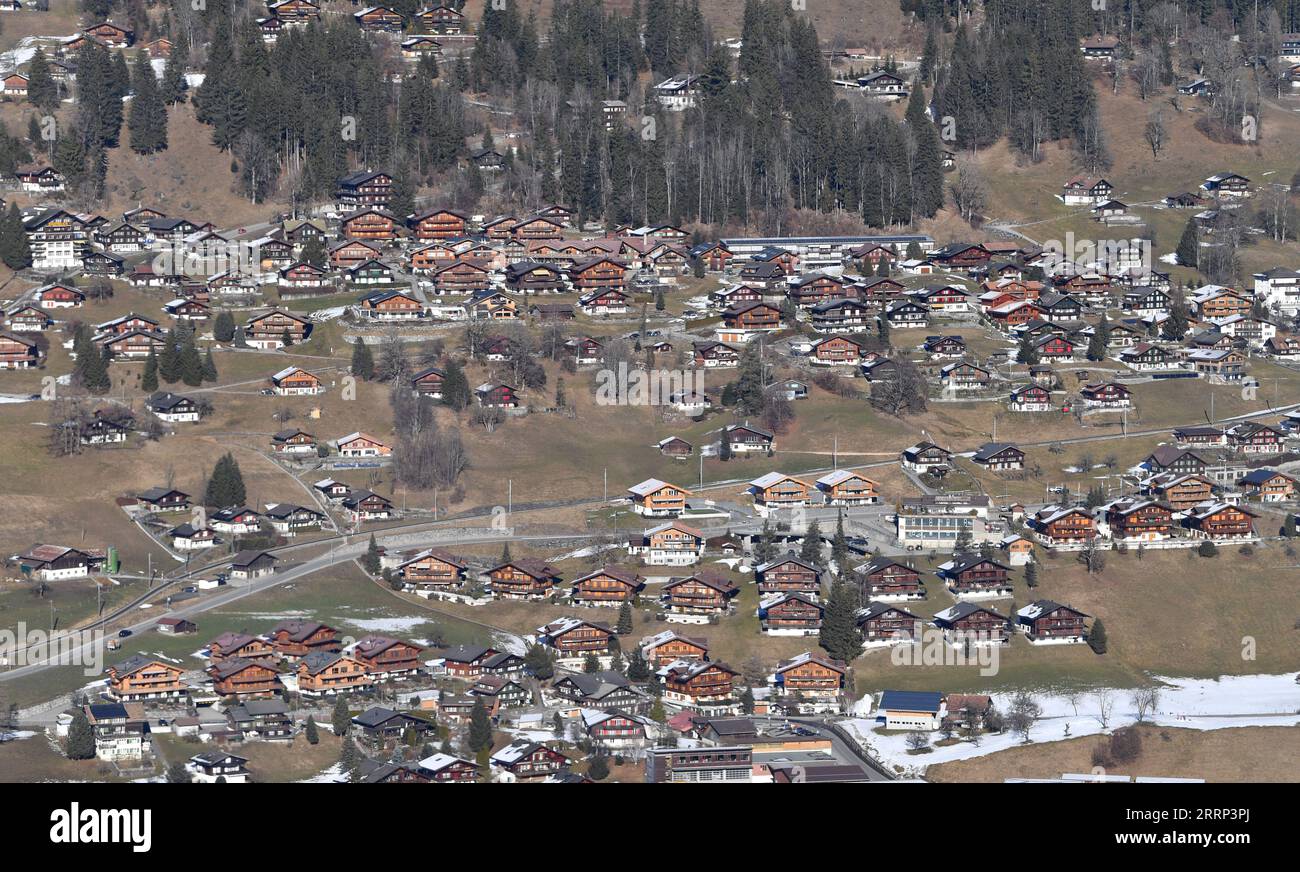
1233 755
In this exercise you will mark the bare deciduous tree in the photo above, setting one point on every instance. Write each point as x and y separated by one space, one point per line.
1154 133
1105 706
1145 700
970 193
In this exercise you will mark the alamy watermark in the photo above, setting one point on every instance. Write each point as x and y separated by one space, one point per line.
625 386
229 257
22 646
934 647
1110 254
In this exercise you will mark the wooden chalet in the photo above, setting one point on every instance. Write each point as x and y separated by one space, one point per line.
523 579
19 352
497 396
882 622
240 678
975 576
270 330
844 488
811 676
608 586
241 645
836 351
1179 492
698 684
776 490
966 623
886 579
599 274
365 189
378 19
440 19
670 646
1069 525
530 277
296 637
141 678
1044 621
1221 522
295 12
446 769
788 574
1138 520
366 505
713 355
653 498
789 614
388 658
369 223
574 638
325 672
526 760
433 569
701 594
999 456
1268 485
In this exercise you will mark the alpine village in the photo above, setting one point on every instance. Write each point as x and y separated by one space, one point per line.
649 391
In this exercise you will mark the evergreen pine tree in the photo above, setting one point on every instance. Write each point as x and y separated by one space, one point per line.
480 727
226 484
599 768
223 327
91 369
1031 574
81 739
1097 637
840 636
191 362
637 668
1026 353
209 367
311 731
624 624
172 87
370 560
341 719
840 546
591 664
537 662
455 387
178 774
149 380
170 366
810 550
42 90
15 249
363 361
349 758
1098 341
147 122
314 251
1189 246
